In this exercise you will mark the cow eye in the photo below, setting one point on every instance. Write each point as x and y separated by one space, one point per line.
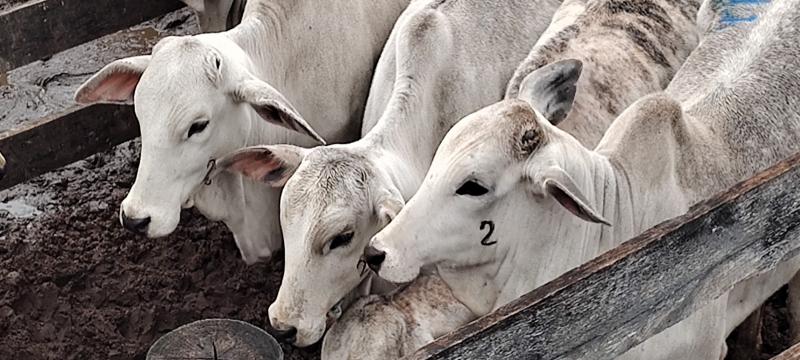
197 127
342 239
472 188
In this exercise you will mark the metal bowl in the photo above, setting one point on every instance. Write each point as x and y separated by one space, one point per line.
216 339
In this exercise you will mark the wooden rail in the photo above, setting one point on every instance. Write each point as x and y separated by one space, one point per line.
63 138
793 353
616 301
39 28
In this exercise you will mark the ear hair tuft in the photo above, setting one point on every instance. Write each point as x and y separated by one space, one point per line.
530 141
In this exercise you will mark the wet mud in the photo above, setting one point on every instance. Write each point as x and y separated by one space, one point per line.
75 285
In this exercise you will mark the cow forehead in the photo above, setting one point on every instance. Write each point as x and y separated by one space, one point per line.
180 79
179 63
328 180
503 129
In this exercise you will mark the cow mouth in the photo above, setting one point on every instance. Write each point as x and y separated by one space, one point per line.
336 311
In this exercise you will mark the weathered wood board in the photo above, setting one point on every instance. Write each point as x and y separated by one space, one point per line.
41 127
793 353
64 138
618 300
39 28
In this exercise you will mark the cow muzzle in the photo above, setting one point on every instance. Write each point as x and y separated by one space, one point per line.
374 258
137 226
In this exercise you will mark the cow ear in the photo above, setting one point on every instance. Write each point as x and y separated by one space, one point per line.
388 206
273 107
115 83
556 183
270 164
551 89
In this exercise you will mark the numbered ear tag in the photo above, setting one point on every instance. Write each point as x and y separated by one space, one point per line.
485 241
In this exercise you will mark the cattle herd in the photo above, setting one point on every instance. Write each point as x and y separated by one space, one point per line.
470 150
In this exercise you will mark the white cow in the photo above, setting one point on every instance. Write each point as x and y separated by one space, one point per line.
628 49
200 97
443 60
395 325
511 202
217 15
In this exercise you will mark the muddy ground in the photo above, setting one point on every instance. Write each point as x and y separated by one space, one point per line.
75 285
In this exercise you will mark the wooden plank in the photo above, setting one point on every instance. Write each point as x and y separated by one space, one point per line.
616 301
41 128
793 353
40 28
64 138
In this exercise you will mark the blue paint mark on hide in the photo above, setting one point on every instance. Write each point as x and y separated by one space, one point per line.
728 19
736 11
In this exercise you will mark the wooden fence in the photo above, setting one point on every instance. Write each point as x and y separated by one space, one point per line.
793 353
37 29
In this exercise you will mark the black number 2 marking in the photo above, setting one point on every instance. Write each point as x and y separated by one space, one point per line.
485 241
362 267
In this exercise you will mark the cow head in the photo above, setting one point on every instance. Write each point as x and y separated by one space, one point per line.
196 99
333 201
498 177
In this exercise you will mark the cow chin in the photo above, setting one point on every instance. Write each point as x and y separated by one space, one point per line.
308 337
160 229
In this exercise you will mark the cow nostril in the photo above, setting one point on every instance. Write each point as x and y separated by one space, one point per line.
374 258
138 226
289 335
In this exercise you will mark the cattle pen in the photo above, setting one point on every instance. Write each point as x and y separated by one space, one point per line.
596 311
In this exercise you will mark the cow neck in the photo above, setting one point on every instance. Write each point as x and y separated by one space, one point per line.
268 34
397 171
406 136
614 205
553 247
641 199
